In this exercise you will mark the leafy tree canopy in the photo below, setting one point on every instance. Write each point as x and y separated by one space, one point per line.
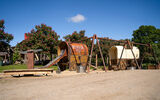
5 38
42 37
74 37
148 34
78 37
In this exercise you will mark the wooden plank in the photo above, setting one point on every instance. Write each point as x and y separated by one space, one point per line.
27 71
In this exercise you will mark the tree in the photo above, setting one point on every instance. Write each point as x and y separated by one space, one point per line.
5 38
148 34
74 37
78 37
42 37
16 55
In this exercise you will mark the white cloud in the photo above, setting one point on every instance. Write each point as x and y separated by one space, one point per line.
78 18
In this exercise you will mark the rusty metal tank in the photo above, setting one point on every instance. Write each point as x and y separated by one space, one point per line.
76 55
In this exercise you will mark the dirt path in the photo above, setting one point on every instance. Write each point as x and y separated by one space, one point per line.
118 85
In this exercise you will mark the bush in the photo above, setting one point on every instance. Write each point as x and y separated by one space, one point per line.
16 55
1 59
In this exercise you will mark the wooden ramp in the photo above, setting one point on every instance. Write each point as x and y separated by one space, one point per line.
22 72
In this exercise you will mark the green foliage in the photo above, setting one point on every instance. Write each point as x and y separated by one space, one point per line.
5 38
16 55
3 35
148 34
74 37
78 37
42 37
156 50
1 59
4 46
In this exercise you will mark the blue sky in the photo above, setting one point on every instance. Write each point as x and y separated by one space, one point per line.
115 19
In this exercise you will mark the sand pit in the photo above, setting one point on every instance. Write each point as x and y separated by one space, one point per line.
98 85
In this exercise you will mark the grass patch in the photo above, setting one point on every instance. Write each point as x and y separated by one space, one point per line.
10 67
21 66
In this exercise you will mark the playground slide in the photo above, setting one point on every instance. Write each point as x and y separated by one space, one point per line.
57 59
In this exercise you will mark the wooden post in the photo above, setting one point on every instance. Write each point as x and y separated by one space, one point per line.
110 63
141 62
101 53
90 57
107 61
39 57
96 61
5 58
135 59
45 57
121 56
30 62
133 54
25 58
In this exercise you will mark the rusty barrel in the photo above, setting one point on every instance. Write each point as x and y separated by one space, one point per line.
77 55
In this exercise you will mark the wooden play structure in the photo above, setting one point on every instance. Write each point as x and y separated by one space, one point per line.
76 57
121 57
72 55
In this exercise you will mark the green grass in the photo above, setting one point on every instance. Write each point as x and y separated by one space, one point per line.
20 66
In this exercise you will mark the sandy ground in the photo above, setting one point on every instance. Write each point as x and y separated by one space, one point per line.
113 85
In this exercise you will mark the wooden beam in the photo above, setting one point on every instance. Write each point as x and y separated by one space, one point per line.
96 61
133 54
101 54
121 56
90 57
